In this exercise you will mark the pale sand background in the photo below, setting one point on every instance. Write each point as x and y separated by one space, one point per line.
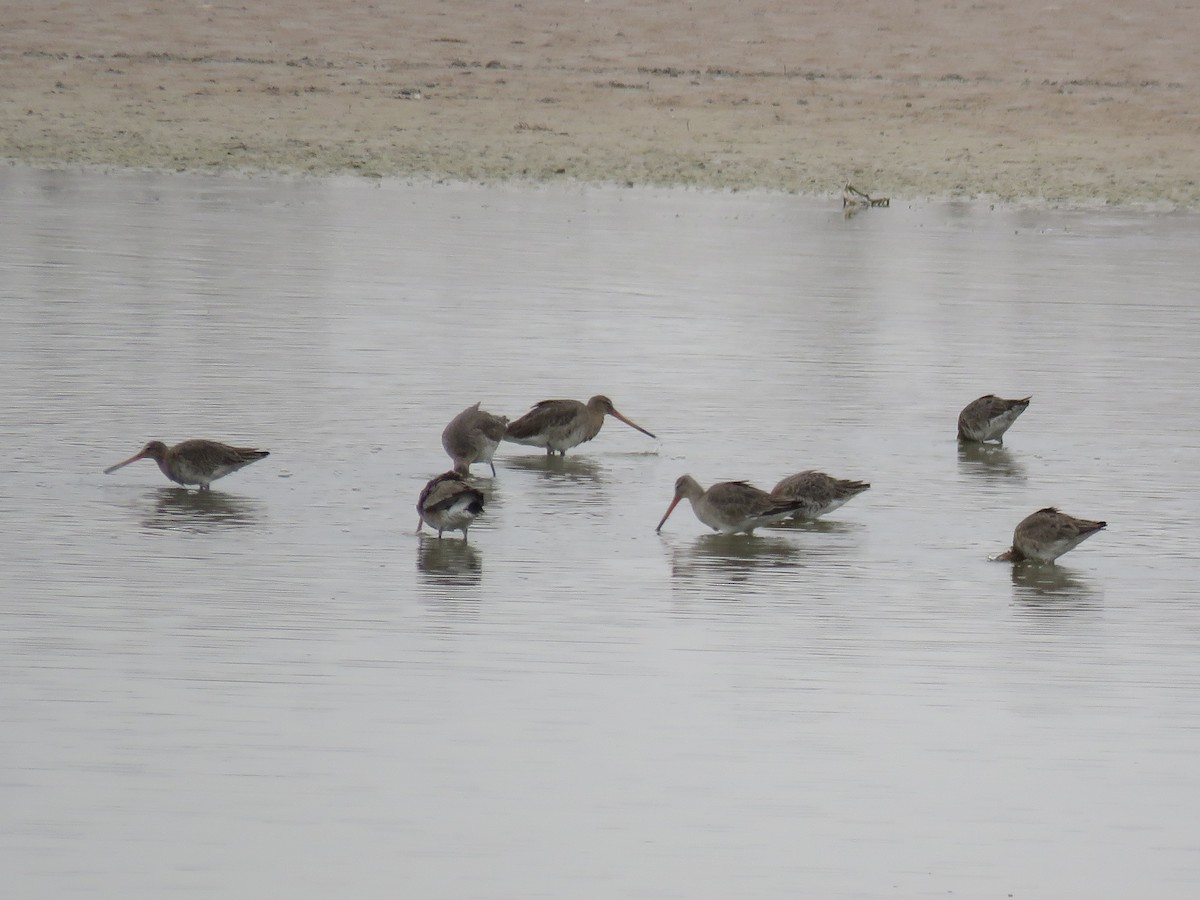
1075 102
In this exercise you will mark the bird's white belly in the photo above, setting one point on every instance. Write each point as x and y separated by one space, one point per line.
454 518
997 426
182 474
566 438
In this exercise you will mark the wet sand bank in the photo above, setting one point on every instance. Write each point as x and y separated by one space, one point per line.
1067 102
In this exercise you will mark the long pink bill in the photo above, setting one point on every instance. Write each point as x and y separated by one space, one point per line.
633 425
139 455
670 509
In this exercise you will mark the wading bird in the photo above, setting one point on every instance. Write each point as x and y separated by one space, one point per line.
819 492
559 425
987 418
448 503
196 461
1047 534
473 436
730 506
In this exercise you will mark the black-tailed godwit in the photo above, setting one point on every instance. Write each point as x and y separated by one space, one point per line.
1047 534
448 503
473 436
987 418
196 461
730 506
820 493
559 425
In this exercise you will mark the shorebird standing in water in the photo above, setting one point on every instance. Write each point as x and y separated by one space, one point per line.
473 436
448 503
730 506
1047 534
820 493
563 424
987 418
196 461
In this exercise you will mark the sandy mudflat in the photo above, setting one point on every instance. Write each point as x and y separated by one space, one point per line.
1072 102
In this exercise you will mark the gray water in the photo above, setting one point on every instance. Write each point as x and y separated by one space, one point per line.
278 690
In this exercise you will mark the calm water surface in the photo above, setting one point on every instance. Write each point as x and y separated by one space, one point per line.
279 690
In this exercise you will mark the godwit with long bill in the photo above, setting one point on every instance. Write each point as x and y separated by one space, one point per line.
820 493
559 425
730 507
197 461
1047 534
448 503
987 418
473 436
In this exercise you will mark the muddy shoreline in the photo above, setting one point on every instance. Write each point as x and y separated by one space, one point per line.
1013 102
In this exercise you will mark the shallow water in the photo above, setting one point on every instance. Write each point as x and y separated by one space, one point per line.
278 690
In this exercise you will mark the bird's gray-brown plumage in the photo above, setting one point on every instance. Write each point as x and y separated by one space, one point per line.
820 493
987 418
559 425
196 461
730 506
473 436
448 503
1047 534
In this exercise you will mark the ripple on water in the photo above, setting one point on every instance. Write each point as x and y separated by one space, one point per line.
285 663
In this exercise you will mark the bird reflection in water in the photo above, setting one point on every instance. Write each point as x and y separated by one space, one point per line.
991 461
449 565
177 508
821 526
724 558
1051 590
572 483
575 468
